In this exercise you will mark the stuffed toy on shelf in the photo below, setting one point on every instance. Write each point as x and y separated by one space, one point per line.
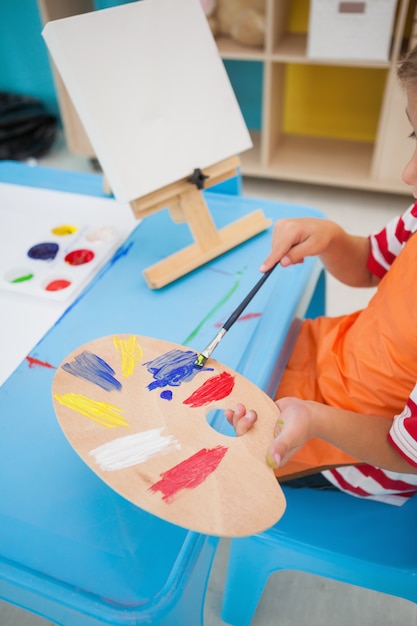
241 20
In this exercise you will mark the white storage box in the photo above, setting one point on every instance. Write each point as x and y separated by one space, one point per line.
350 30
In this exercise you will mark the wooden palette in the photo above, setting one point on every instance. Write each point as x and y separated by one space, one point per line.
136 410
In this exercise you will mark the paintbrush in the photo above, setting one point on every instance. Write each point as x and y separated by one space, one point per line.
207 352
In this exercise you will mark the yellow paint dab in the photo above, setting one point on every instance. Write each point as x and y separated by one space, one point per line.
104 414
131 353
64 230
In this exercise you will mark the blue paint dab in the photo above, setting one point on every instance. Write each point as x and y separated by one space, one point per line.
46 251
166 395
173 368
94 369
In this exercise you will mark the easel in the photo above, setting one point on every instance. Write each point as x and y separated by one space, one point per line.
168 109
187 204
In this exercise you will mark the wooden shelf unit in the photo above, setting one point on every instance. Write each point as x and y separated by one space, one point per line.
375 162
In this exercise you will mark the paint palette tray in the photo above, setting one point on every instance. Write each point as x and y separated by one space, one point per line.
61 261
53 242
136 410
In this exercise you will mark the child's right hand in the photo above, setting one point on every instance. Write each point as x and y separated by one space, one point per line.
293 239
345 256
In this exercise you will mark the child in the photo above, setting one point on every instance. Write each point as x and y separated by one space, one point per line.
348 397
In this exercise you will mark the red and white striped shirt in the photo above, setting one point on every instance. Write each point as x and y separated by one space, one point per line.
365 480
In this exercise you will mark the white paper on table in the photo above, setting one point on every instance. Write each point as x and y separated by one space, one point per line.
151 90
26 216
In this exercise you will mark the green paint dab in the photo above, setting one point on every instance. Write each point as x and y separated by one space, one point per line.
22 279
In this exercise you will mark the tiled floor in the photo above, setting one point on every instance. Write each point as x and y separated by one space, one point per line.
293 598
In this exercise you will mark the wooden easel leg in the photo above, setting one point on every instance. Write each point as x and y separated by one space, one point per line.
209 242
200 221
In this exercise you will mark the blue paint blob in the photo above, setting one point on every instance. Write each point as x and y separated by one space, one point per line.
46 251
173 368
94 369
166 395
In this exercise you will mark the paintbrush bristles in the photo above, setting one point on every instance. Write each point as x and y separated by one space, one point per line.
203 356
200 360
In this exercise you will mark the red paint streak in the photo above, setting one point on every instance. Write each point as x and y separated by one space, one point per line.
215 388
189 473
242 318
32 362
248 316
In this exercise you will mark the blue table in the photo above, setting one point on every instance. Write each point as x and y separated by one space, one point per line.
71 549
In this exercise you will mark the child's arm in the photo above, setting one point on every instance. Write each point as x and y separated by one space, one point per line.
363 436
344 255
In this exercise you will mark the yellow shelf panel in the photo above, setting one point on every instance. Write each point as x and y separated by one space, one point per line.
333 102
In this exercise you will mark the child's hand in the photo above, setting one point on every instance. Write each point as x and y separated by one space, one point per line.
240 419
293 429
345 256
293 239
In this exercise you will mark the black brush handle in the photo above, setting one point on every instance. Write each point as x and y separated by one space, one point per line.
242 306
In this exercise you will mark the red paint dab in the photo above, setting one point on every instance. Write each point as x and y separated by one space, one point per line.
189 473
32 362
79 257
57 285
215 388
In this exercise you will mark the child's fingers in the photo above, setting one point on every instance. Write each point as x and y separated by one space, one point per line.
245 423
241 419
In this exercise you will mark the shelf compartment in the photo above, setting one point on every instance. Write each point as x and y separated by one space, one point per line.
230 49
319 159
247 80
289 29
324 162
334 102
291 47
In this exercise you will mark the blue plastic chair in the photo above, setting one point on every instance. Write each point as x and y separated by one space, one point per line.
330 534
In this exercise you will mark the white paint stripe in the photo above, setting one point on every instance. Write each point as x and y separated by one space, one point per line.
133 449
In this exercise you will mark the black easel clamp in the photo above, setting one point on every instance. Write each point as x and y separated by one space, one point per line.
198 178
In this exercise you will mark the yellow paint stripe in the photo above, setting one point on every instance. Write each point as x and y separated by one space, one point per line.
101 412
131 353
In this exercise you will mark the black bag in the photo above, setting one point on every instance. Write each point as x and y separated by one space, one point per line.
26 128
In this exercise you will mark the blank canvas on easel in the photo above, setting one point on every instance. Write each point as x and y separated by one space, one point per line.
151 90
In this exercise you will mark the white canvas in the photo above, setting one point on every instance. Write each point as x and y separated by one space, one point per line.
151 90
